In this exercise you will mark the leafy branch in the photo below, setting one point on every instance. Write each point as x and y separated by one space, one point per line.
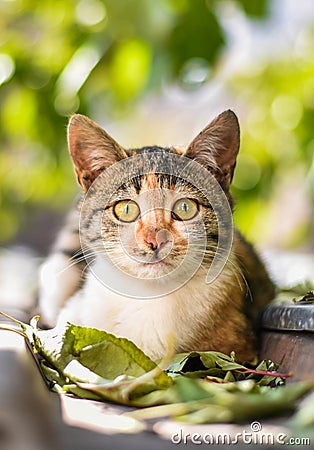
197 387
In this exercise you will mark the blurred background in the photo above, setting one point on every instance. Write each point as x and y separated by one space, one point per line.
156 72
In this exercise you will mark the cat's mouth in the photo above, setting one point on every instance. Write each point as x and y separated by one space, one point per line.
154 270
152 266
162 257
156 262
147 265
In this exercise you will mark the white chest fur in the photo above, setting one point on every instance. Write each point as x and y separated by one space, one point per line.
148 323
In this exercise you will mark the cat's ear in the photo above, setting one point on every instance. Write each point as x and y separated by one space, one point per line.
217 146
91 148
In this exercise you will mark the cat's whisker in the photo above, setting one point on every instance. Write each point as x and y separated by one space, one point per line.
85 254
239 272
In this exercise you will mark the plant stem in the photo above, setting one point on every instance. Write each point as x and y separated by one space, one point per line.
11 318
264 372
2 327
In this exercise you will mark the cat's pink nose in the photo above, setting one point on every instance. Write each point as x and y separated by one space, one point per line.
156 239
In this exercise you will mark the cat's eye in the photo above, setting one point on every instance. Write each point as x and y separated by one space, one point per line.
184 209
126 210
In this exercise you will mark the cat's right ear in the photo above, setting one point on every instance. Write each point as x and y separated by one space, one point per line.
91 148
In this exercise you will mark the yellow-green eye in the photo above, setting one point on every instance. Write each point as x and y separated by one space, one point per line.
184 209
126 210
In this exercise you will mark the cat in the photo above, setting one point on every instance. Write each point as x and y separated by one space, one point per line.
147 247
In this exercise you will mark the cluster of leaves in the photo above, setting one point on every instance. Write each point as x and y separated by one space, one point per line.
300 296
302 293
306 298
197 387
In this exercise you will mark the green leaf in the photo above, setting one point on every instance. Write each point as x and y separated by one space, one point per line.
102 353
190 389
232 402
94 361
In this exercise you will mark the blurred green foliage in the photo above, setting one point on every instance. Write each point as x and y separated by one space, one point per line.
58 57
274 181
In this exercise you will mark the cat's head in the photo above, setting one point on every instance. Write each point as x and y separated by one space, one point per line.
151 219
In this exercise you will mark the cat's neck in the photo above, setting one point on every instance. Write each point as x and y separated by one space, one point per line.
111 282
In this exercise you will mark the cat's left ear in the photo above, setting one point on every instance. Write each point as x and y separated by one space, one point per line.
217 146
91 148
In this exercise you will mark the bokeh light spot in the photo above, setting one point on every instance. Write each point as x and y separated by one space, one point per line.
195 72
287 111
66 104
90 12
248 172
7 67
